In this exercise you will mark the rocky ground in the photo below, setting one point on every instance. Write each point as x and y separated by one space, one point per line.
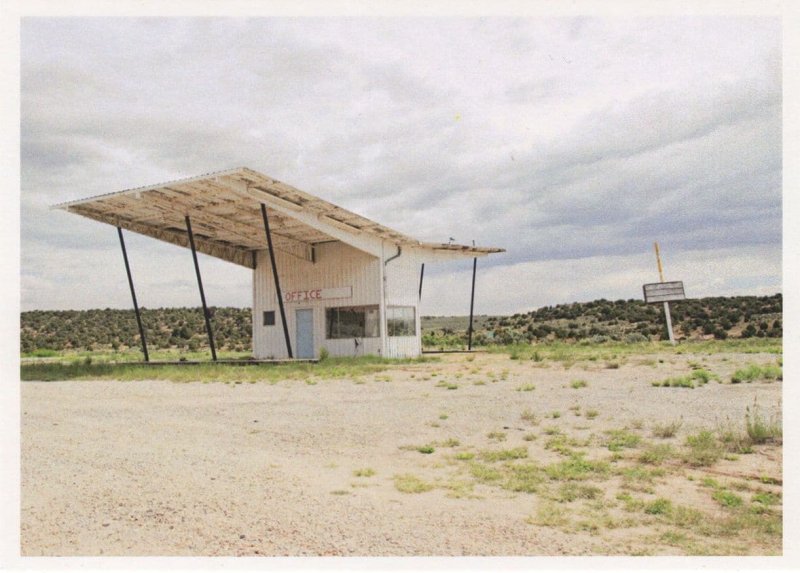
469 455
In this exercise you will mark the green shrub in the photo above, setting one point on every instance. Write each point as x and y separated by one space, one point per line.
727 498
704 449
754 372
658 506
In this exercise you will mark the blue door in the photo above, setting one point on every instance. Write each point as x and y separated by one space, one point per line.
304 319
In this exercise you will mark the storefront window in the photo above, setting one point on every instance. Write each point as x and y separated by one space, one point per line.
401 321
352 322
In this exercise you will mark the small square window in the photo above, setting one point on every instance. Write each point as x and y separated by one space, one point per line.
269 318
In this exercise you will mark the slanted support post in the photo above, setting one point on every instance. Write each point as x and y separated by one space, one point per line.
206 316
133 295
421 275
275 277
472 303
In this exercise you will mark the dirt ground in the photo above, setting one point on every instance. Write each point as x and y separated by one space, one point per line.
345 467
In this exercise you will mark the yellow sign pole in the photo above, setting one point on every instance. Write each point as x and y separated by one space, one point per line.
666 304
658 258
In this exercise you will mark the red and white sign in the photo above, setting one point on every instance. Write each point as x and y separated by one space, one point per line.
317 294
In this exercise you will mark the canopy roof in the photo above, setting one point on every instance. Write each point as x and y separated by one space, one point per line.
225 212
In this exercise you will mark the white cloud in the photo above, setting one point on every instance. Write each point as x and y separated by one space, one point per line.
560 139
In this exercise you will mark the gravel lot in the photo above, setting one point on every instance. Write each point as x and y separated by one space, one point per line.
163 468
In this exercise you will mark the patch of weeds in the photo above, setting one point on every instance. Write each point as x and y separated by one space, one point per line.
673 538
479 383
311 382
434 424
340 492
684 516
667 430
529 437
619 439
660 506
555 414
496 436
754 372
576 384
447 385
504 374
630 503
612 365
761 430
656 454
562 444
526 388
529 417
364 472
504 455
591 414
536 357
704 449
449 443
549 514
484 473
464 456
552 430
524 478
576 468
676 382
426 449
734 440
727 498
443 416
639 478
409 483
766 498
571 491
458 489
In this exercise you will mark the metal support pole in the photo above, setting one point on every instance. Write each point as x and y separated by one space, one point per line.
202 293
421 274
275 276
133 295
472 303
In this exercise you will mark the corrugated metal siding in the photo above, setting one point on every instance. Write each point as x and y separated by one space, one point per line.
337 265
402 289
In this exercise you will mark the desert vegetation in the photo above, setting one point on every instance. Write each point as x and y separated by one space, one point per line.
182 331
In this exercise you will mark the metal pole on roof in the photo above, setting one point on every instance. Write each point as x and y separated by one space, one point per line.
472 302
275 277
206 316
421 274
133 295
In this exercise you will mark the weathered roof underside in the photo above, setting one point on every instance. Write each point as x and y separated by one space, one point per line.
226 216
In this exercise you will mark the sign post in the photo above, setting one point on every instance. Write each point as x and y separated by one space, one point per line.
664 292
666 303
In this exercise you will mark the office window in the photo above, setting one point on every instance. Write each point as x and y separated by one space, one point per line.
352 322
269 318
401 321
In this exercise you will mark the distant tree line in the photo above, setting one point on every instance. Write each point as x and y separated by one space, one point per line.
600 320
621 320
113 329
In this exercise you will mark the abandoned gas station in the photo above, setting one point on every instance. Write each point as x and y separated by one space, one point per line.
323 277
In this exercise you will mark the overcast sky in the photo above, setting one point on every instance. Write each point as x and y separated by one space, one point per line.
573 143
